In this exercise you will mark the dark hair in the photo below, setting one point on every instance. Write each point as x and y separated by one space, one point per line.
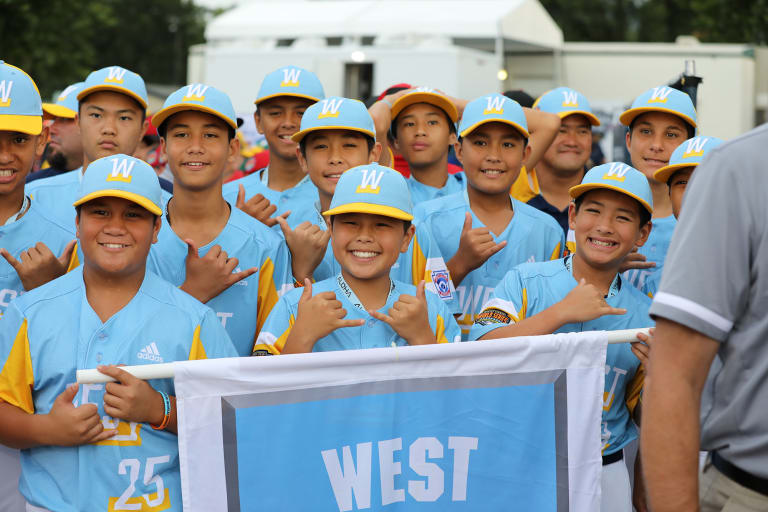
162 130
520 96
368 139
78 207
644 215
525 139
691 131
406 223
393 126
138 105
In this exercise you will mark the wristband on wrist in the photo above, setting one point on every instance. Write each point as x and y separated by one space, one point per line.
385 100
166 412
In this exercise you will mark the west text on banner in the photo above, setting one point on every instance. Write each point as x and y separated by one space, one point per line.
458 427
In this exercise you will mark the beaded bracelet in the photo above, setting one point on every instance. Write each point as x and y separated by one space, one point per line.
166 412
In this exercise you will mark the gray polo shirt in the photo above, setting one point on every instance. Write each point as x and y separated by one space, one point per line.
715 281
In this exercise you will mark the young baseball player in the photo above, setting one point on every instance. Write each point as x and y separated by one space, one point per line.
658 121
233 262
282 186
113 446
362 306
338 134
482 230
584 292
684 160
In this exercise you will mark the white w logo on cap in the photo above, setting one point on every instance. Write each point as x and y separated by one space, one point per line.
121 170
617 171
495 105
5 93
570 99
195 92
370 182
659 95
66 92
695 147
290 77
115 75
330 108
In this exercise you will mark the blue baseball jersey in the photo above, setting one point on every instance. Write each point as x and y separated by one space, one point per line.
20 235
531 235
243 307
49 333
294 199
655 250
373 334
530 288
651 284
421 193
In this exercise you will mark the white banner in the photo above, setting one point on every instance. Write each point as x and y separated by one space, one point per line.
465 426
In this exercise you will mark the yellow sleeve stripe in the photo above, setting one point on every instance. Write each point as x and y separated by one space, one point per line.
418 264
280 342
197 351
74 261
635 389
440 330
16 377
526 186
556 254
267 294
523 307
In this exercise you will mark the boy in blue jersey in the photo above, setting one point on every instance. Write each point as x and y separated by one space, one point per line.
483 231
83 447
584 292
282 186
337 134
362 306
658 121
244 266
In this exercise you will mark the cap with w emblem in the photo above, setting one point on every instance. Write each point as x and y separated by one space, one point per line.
122 176
425 95
336 113
373 189
688 154
290 81
21 109
619 177
66 103
564 102
493 108
661 99
200 97
116 79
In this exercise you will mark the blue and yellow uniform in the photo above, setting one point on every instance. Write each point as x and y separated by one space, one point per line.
421 193
531 235
530 288
41 356
373 334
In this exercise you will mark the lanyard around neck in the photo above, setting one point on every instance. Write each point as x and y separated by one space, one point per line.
19 214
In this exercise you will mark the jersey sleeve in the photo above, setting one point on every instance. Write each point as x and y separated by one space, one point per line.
507 304
635 390
276 329
275 278
557 242
211 340
442 321
428 265
16 376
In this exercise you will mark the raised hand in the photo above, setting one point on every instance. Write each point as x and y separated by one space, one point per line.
585 303
210 275
307 244
38 265
635 260
258 207
73 426
130 398
642 348
475 247
409 318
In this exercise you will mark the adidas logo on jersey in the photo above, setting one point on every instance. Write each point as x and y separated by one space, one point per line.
150 353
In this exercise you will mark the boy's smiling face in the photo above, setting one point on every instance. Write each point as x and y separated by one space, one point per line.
653 138
278 119
367 245
18 152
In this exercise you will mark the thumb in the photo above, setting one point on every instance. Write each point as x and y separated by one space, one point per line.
66 255
420 291
10 259
284 225
306 293
191 248
69 393
240 201
467 223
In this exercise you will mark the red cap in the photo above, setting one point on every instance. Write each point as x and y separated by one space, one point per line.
396 86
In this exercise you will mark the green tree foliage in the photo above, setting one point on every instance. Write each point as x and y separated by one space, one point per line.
59 43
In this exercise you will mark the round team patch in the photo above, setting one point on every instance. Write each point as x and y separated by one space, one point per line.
442 283
493 316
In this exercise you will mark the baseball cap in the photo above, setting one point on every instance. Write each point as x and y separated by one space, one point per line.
373 189
661 99
493 108
122 176
336 113
564 102
66 103
619 177
425 95
21 108
200 97
688 154
290 81
116 79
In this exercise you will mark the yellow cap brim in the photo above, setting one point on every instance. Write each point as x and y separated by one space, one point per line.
580 190
519 128
298 136
293 95
627 117
51 110
114 88
131 196
165 113
32 125
437 100
374 209
663 174
593 120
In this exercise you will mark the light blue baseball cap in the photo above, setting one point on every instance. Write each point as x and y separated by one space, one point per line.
619 177
564 102
373 189
290 81
200 97
661 99
336 113
116 79
21 109
122 176
688 154
66 103
493 108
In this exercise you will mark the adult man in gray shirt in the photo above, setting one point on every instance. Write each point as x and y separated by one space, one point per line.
713 299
